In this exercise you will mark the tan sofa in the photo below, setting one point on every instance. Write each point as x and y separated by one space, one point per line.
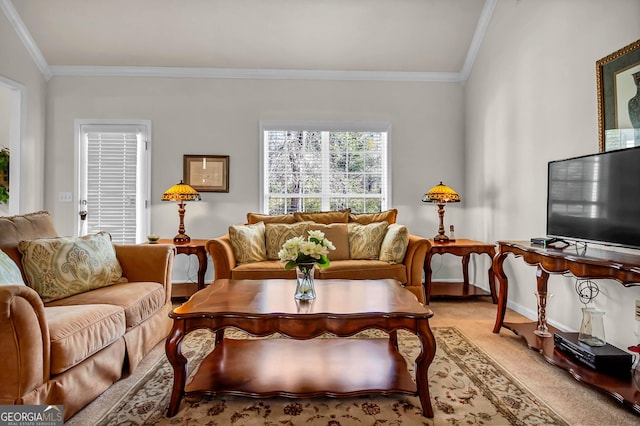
408 272
68 351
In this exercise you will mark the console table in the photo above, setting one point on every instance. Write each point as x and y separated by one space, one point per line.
590 263
464 248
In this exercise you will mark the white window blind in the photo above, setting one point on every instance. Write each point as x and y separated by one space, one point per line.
113 185
319 170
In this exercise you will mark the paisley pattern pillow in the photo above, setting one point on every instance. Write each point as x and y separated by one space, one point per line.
60 267
365 240
9 271
276 234
395 243
247 242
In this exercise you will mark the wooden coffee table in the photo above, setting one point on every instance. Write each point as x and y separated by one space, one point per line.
301 366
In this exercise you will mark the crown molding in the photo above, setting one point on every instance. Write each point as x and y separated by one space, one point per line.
25 37
478 37
262 74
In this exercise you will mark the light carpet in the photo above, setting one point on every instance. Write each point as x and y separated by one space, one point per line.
466 385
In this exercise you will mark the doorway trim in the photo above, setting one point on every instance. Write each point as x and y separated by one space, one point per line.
17 99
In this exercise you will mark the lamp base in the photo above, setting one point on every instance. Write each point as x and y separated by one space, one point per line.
441 238
181 238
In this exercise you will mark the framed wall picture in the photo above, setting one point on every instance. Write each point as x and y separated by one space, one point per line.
618 80
207 173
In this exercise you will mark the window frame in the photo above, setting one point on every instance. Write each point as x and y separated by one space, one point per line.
323 126
143 217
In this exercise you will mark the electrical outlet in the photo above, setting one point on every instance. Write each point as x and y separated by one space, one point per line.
637 310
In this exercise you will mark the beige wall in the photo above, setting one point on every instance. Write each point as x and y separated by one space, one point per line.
531 98
221 116
16 65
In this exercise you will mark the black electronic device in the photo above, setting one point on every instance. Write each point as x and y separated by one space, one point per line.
595 198
604 359
542 241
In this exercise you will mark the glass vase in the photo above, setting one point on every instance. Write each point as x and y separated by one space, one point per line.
542 330
592 327
305 285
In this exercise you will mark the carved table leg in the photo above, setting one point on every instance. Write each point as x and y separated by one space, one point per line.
427 278
465 273
202 267
498 261
179 364
492 279
542 277
422 363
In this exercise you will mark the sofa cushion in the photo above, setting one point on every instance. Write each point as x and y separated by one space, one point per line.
77 332
341 216
60 267
140 300
395 243
262 270
367 218
276 234
30 226
9 271
266 218
248 242
365 240
363 270
337 234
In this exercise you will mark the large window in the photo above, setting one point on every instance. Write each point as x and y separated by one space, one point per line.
308 168
113 179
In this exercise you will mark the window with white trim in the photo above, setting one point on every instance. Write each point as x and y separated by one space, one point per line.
314 168
113 179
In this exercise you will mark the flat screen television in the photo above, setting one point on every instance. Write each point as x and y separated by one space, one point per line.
596 198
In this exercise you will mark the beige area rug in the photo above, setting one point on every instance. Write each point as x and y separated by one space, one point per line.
466 385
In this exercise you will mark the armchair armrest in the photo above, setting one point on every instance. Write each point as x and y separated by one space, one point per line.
24 343
414 259
222 256
147 262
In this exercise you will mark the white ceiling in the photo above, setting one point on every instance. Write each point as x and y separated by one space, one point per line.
387 39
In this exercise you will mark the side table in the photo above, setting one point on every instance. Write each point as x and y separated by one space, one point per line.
197 248
464 248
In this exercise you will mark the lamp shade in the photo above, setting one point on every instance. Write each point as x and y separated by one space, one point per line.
181 192
441 194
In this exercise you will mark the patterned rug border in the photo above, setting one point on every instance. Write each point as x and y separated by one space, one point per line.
478 366
504 405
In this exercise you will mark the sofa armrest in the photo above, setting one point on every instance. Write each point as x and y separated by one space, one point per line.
414 259
147 262
24 343
222 256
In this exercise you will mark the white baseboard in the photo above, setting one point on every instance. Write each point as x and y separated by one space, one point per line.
533 315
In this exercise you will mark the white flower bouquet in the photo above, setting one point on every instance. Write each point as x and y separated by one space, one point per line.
298 251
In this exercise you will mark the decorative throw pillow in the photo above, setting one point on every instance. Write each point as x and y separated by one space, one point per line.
9 271
341 216
60 267
337 234
247 242
367 218
266 218
278 233
365 240
395 243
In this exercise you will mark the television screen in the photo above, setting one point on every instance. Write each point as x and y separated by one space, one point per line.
596 198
